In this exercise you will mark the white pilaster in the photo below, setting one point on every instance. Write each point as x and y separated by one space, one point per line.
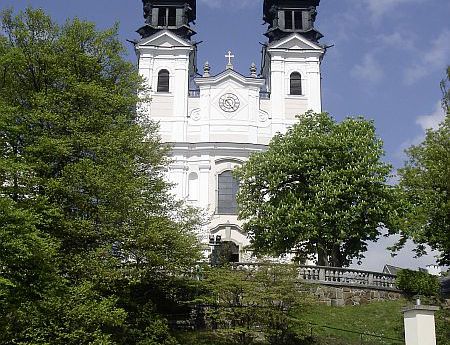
204 171
420 325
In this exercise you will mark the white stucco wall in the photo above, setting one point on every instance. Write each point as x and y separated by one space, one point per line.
206 139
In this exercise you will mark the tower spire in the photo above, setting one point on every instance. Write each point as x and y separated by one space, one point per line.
291 16
173 15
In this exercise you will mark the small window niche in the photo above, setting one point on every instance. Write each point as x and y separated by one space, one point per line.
172 16
288 24
298 20
162 16
163 81
193 187
296 84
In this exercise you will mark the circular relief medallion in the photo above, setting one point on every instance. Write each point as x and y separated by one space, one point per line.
229 102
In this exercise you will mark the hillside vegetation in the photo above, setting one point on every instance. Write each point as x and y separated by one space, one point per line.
327 325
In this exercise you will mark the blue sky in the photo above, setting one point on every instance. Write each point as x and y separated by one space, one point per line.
386 64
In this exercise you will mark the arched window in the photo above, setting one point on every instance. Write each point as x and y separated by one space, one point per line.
193 187
296 84
227 190
163 81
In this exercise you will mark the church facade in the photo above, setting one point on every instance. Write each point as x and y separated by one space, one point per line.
214 122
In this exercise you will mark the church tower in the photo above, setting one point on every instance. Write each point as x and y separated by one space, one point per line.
167 61
215 122
291 16
169 14
292 58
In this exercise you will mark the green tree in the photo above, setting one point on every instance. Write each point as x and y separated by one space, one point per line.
253 305
321 188
425 185
415 283
90 233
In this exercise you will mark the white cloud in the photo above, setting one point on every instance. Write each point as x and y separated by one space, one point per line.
431 60
398 39
368 70
343 25
378 255
378 8
432 120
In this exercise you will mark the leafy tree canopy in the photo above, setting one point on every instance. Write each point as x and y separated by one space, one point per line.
90 236
321 188
425 184
253 305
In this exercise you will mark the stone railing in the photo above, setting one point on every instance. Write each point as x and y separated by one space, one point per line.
336 276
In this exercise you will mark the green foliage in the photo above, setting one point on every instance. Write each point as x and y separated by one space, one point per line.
443 326
418 283
91 238
319 189
425 187
446 92
383 318
74 315
377 318
252 306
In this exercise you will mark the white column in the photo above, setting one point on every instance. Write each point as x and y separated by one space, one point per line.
205 113
178 177
180 91
277 94
419 325
314 82
145 68
253 112
204 170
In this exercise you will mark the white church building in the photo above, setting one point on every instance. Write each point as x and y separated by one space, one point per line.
214 122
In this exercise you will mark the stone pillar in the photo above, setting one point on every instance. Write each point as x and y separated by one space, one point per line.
419 325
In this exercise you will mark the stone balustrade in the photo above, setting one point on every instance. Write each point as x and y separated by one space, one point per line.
336 276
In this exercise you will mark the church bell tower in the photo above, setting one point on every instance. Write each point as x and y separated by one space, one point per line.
292 59
173 15
291 16
167 61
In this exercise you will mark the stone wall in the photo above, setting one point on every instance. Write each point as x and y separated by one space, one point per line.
340 296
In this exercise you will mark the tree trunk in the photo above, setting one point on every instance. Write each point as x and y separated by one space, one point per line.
337 260
322 255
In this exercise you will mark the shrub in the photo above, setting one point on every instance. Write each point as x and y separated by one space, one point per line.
418 283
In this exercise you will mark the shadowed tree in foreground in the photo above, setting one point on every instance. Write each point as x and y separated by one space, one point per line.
91 240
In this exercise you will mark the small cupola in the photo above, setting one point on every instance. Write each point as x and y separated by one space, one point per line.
173 15
291 16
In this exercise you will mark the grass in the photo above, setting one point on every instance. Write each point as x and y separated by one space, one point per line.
377 318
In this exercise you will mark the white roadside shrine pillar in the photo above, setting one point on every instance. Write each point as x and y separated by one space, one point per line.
419 325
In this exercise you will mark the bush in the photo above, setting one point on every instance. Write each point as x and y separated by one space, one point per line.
418 283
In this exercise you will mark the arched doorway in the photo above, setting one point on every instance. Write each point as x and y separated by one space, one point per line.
224 253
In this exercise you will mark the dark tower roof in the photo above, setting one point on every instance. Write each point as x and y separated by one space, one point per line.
291 16
173 15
